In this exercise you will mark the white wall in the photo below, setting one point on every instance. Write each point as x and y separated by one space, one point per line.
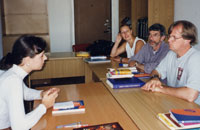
61 25
188 10
115 18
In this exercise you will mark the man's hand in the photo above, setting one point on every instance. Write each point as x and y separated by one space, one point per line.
153 85
131 63
140 67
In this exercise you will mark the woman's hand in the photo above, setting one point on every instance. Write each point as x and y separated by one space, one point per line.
49 97
117 58
51 89
118 38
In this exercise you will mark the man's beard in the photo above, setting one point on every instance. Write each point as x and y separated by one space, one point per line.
154 43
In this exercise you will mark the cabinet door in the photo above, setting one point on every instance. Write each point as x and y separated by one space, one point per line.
161 11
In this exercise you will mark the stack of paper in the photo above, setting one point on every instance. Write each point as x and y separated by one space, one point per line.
97 59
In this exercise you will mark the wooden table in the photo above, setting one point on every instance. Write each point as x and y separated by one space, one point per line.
100 106
143 106
99 70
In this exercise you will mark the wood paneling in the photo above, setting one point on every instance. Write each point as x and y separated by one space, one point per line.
139 9
8 42
161 11
26 24
124 9
23 17
25 7
60 65
157 11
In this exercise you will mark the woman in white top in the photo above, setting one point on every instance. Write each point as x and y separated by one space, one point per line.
1 71
131 46
27 55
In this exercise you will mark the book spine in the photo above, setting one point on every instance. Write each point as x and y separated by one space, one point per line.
189 121
120 72
166 121
127 86
68 111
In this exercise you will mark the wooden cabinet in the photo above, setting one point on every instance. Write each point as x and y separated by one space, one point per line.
157 11
60 65
23 17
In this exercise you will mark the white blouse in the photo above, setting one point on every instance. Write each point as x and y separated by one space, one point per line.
13 92
1 72
130 51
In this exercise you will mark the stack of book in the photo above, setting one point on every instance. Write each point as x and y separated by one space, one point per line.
82 54
97 59
181 118
123 78
127 72
119 73
69 107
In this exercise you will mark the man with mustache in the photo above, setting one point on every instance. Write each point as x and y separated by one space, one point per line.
180 66
151 54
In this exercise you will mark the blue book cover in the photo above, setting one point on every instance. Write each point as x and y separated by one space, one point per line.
186 115
125 83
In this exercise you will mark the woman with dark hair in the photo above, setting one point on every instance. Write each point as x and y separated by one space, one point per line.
27 55
131 44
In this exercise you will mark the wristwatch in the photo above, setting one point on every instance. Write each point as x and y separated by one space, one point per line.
155 76
121 59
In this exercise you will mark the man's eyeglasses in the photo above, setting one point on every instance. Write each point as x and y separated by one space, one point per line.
173 38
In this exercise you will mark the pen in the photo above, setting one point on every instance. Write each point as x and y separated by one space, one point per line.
69 125
72 125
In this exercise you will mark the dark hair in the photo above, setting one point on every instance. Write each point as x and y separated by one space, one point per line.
24 46
189 30
158 27
129 26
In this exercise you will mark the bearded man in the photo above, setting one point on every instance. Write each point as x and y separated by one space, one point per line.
151 54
